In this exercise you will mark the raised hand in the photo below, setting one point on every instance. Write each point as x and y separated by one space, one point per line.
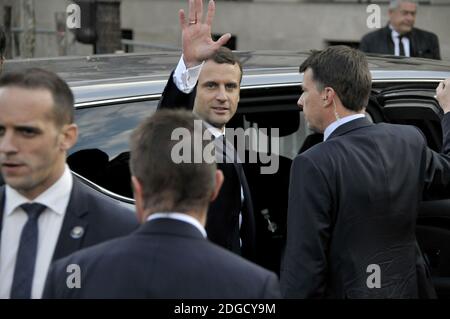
196 33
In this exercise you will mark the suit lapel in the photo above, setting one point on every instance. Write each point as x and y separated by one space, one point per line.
75 225
390 47
350 126
247 231
69 239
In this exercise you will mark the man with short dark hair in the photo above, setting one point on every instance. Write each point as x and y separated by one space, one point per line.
399 37
169 256
207 80
353 199
46 212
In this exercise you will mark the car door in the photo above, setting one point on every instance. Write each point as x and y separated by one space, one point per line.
272 118
414 104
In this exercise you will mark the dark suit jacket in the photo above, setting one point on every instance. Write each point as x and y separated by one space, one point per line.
164 258
222 223
353 202
101 218
424 44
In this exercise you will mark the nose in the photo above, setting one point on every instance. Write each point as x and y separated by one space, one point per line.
7 144
300 102
221 94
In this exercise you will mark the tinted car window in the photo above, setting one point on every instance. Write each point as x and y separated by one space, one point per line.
108 127
102 151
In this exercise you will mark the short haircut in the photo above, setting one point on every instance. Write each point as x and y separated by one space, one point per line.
168 186
394 4
2 43
345 70
225 55
34 79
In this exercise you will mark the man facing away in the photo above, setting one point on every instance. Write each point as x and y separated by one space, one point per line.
169 255
399 37
353 199
45 212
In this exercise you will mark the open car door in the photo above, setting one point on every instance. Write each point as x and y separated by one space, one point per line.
415 105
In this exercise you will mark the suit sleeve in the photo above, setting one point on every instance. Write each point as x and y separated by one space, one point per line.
364 45
304 266
271 288
436 49
437 171
173 98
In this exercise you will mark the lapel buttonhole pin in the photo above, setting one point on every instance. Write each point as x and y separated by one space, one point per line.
77 232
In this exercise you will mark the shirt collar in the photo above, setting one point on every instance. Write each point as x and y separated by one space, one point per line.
56 197
333 126
395 34
181 217
214 130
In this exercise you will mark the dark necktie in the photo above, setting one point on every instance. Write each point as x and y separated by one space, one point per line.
400 45
26 254
247 229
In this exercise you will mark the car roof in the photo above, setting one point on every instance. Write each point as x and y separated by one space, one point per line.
115 76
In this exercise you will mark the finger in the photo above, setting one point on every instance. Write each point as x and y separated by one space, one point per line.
199 13
192 11
182 18
223 40
438 91
440 88
211 12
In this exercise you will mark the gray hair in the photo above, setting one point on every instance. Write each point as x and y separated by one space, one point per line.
394 4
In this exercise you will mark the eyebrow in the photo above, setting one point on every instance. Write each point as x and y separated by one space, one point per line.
27 127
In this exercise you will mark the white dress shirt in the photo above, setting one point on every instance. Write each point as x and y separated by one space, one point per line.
396 39
333 126
181 217
56 198
186 79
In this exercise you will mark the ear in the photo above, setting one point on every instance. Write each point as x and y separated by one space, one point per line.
139 202
327 97
219 182
69 136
